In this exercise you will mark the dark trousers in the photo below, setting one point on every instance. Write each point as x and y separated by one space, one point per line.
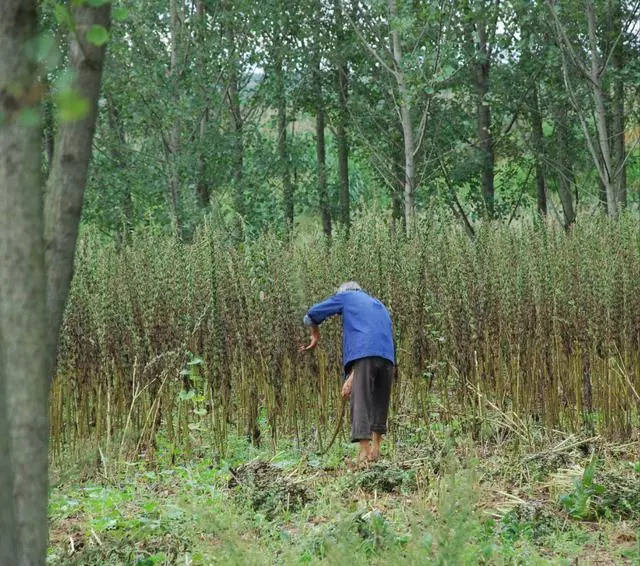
370 395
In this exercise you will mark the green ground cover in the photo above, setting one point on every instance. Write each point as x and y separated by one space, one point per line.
437 497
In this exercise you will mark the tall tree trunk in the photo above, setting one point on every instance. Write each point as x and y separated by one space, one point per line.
36 263
483 108
321 158
174 133
405 119
618 62
67 181
283 150
119 153
237 120
23 328
342 83
203 190
605 169
397 189
538 145
238 142
565 176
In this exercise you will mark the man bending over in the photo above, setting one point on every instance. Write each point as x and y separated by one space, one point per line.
368 359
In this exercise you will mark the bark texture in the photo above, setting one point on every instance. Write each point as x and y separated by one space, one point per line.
538 147
595 76
67 180
321 154
342 84
283 149
405 119
618 142
174 133
483 109
564 167
23 319
36 263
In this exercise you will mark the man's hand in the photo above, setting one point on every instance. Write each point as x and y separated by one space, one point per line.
347 386
315 338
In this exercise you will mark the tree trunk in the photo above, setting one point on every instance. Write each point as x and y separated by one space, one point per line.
485 136
321 158
66 183
8 547
283 150
25 347
49 130
23 329
237 120
405 119
565 177
120 156
174 134
34 282
618 143
605 169
203 190
538 145
202 187
397 189
342 83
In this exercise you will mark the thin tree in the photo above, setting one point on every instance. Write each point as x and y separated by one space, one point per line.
37 243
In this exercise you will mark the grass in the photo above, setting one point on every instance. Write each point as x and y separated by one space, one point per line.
439 497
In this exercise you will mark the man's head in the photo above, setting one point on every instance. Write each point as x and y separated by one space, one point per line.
348 286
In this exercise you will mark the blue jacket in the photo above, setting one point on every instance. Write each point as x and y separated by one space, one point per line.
366 325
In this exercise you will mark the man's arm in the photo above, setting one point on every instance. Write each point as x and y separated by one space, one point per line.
315 338
347 386
317 315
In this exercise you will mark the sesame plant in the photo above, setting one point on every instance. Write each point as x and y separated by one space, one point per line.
200 338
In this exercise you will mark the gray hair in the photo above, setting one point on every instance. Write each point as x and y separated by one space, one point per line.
349 286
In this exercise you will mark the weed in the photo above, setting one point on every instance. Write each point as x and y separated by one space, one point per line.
385 478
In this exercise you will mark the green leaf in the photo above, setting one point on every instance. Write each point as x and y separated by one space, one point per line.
98 35
120 13
71 105
97 3
186 395
63 16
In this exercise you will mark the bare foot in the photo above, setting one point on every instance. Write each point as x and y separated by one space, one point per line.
363 457
374 453
357 463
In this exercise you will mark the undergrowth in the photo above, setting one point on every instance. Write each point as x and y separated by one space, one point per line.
288 506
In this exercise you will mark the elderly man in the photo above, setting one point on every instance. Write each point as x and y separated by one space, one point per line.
368 359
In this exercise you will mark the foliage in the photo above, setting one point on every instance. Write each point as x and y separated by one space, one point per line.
189 116
579 502
602 494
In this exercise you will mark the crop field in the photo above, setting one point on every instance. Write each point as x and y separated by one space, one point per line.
187 428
